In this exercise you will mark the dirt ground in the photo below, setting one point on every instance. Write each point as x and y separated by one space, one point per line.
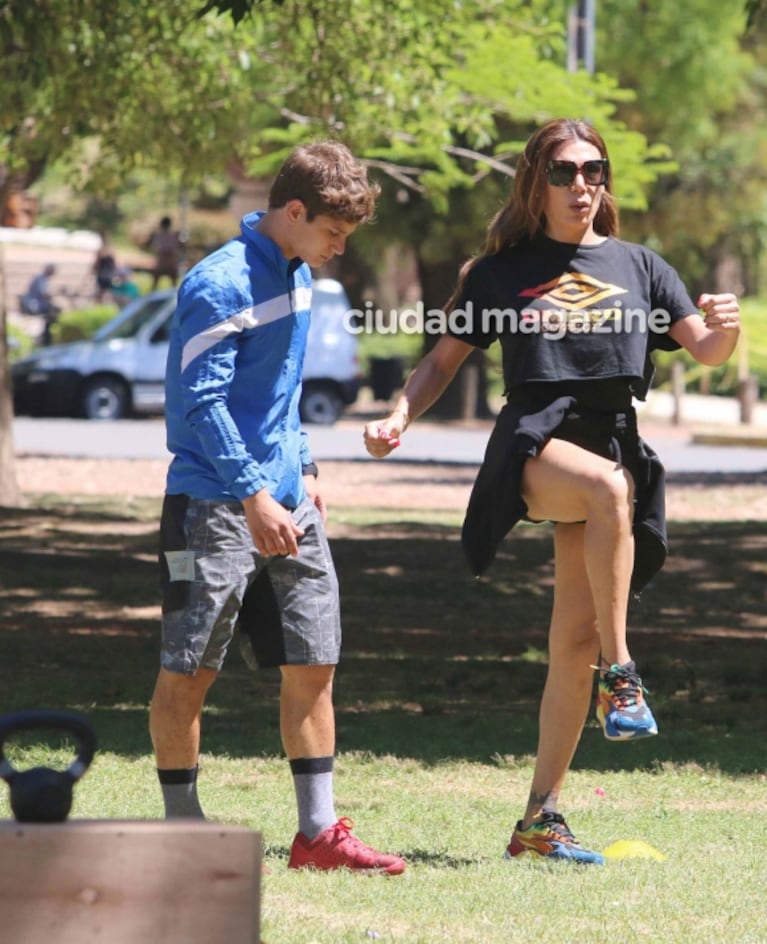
386 484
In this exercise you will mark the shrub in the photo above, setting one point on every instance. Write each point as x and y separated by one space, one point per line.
81 323
20 342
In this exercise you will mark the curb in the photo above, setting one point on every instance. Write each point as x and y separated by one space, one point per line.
737 436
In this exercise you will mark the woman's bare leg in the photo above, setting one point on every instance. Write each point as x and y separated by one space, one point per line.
568 484
573 649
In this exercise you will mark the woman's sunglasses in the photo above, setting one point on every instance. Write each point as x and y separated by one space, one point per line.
563 173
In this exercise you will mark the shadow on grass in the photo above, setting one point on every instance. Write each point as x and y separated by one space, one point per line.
440 860
436 664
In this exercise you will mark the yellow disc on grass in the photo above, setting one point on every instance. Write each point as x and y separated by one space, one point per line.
632 849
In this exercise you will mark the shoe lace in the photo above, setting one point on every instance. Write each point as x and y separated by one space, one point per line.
344 828
352 845
624 686
556 824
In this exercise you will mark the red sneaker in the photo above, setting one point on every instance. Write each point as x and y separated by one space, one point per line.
336 848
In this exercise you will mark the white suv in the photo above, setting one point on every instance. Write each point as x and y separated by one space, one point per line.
121 370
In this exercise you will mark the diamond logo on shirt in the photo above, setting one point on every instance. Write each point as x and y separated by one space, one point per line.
573 291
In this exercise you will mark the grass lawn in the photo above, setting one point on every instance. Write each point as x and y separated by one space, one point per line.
437 696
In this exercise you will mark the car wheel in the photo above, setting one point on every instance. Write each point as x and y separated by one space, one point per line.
321 404
105 398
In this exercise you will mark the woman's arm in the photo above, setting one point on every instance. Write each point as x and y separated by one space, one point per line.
425 384
711 339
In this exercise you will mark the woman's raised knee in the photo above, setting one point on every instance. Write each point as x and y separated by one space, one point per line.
610 491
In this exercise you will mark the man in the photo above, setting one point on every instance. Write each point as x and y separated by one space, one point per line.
242 534
38 300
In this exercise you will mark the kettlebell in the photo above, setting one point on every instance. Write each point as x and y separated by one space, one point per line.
42 795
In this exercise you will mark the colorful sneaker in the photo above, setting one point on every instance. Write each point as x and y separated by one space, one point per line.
336 848
621 708
550 838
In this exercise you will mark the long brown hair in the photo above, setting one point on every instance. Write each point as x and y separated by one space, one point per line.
522 217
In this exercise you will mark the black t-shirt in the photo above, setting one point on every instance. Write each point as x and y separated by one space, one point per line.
569 312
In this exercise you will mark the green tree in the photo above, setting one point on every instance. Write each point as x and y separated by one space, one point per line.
700 78
72 72
756 10
438 100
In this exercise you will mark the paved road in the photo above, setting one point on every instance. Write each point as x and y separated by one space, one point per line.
427 442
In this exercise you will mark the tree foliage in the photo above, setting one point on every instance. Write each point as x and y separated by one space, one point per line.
428 90
438 97
756 10
704 96
405 83
237 9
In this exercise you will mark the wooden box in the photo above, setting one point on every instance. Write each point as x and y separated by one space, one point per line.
129 882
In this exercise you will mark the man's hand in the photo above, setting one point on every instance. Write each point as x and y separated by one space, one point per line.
272 527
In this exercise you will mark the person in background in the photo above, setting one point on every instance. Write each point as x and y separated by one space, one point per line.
166 245
124 288
243 543
104 270
38 300
578 313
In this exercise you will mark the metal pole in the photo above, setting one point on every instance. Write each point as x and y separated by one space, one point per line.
581 20
588 20
572 39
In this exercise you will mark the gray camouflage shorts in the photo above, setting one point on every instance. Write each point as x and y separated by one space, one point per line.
215 583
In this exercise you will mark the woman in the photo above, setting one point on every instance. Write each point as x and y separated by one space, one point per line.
577 312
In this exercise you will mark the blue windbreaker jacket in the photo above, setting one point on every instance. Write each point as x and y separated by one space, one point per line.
233 378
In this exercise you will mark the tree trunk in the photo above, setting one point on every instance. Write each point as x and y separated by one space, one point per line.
466 397
10 493
728 272
16 183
